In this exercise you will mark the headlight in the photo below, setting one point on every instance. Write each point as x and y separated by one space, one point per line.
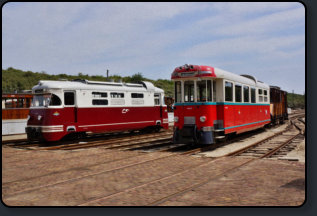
203 118
175 118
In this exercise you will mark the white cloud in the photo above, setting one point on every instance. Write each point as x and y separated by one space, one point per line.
265 24
133 37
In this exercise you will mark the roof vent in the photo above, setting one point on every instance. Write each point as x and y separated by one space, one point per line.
249 77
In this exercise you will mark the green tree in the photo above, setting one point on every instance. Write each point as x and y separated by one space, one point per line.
138 77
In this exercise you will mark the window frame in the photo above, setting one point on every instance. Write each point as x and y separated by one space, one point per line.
208 92
235 92
192 93
99 94
225 91
117 93
178 94
92 102
244 101
64 102
253 101
137 95
60 100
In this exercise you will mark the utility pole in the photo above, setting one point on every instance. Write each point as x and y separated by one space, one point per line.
107 73
293 98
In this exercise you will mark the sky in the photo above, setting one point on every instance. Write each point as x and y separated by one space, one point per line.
263 39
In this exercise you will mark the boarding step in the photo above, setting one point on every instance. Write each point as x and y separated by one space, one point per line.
220 137
219 130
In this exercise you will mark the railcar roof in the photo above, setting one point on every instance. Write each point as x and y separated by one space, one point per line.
218 73
95 85
243 79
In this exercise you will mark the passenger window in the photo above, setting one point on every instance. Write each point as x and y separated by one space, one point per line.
156 99
99 102
55 101
116 95
253 95
246 94
260 98
265 99
137 95
69 98
265 92
238 89
228 91
260 91
99 94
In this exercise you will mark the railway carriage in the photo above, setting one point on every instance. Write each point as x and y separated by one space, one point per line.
211 103
278 105
15 110
60 108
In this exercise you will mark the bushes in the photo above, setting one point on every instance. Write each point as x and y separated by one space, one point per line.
18 80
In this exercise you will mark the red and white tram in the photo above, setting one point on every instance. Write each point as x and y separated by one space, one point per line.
79 106
211 103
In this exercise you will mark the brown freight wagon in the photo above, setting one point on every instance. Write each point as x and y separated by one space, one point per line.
278 105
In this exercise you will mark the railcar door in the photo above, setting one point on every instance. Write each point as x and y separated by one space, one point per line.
157 102
70 110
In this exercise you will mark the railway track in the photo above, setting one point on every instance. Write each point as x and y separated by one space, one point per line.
270 147
265 148
290 135
161 141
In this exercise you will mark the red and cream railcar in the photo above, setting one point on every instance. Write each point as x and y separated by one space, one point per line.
79 106
211 103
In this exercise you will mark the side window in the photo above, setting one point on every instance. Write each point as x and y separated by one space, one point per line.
260 91
99 102
253 95
238 89
228 91
156 99
261 97
99 94
116 95
55 101
69 98
246 94
265 95
137 95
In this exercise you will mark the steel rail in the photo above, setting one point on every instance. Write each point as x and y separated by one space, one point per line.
102 142
269 153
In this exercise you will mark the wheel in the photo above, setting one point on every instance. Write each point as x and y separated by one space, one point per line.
157 128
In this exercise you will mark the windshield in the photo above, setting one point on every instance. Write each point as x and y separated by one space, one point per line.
204 91
45 100
189 91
